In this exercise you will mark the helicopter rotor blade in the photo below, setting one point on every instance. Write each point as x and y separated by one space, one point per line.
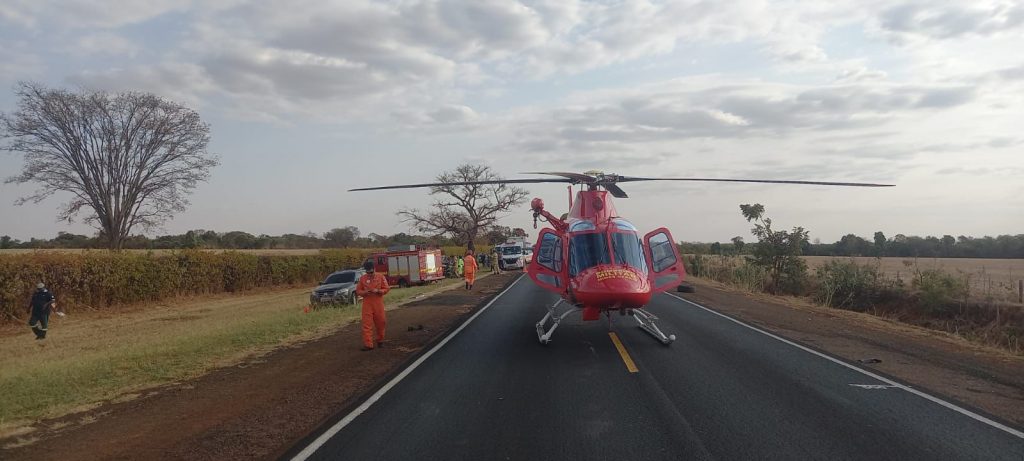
464 183
764 181
616 191
577 177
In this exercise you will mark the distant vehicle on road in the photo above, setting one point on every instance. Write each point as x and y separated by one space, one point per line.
513 255
337 288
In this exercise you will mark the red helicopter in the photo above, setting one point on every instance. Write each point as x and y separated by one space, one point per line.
594 259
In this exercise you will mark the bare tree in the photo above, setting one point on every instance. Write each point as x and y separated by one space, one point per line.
130 158
465 211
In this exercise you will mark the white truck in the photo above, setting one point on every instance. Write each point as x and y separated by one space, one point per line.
514 254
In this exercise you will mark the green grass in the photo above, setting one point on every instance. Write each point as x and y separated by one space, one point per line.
90 360
39 388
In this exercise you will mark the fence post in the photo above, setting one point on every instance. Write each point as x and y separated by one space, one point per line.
1020 291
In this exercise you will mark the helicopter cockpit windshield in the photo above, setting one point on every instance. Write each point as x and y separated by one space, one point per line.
586 251
620 243
628 250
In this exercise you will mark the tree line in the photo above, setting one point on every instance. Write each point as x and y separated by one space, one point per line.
341 237
900 245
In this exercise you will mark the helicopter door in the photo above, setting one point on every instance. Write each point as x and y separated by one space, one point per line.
548 265
663 260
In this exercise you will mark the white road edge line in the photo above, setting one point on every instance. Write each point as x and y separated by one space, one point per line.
916 392
337 427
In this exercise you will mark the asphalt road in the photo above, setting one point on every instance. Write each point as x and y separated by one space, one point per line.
721 391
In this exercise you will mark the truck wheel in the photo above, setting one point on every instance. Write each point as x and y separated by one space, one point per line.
403 283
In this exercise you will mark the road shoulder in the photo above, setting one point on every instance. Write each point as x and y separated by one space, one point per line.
984 378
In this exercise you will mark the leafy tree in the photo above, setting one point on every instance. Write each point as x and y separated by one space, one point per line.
238 240
898 246
129 158
852 245
379 240
879 244
69 240
947 242
209 238
716 248
191 240
342 237
402 238
519 232
465 208
264 241
777 251
737 244
7 242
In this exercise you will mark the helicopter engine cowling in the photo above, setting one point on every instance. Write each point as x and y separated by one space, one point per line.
611 287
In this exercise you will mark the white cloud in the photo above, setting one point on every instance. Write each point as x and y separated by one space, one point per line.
17 64
106 43
185 83
860 74
950 20
89 13
705 107
329 56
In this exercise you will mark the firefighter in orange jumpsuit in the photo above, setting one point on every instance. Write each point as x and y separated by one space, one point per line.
469 269
372 287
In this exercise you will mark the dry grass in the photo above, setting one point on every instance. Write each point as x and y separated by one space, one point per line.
988 278
933 294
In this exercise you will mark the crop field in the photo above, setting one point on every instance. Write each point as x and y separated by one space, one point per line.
267 252
996 278
105 280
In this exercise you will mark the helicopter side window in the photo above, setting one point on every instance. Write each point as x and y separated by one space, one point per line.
628 250
586 251
549 254
662 255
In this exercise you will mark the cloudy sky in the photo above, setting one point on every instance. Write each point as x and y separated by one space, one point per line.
310 98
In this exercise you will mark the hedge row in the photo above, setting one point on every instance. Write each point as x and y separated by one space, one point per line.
100 279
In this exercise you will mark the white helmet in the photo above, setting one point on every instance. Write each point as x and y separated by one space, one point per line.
40 286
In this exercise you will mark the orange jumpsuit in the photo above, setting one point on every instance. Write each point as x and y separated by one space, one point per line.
470 269
373 306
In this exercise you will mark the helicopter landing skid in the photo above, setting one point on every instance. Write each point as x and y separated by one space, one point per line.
646 321
544 336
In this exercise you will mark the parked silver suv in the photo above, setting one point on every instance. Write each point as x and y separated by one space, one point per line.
339 287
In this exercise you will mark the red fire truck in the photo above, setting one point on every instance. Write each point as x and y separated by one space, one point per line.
407 265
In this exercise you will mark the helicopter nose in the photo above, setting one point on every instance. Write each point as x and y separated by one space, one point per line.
613 287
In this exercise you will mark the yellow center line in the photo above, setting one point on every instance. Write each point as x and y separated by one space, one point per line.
622 352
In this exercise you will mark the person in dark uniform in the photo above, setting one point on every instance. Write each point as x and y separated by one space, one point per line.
39 310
